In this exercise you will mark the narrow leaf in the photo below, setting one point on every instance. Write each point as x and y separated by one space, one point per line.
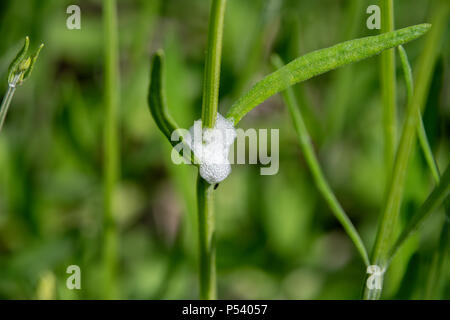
319 62
157 99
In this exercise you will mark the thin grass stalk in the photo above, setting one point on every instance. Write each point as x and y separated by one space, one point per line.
439 260
111 145
205 201
207 249
316 171
436 198
437 275
388 87
6 102
212 65
396 182
421 133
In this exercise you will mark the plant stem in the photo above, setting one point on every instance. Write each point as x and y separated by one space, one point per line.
206 240
421 133
439 259
437 275
396 183
111 147
212 65
426 149
438 267
316 171
5 104
205 202
438 195
388 87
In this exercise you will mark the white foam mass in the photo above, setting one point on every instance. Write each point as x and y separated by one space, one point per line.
211 147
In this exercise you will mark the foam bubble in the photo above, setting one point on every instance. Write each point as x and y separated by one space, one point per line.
211 147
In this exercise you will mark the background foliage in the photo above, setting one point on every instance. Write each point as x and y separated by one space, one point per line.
276 238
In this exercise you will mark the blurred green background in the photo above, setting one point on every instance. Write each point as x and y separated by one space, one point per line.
276 237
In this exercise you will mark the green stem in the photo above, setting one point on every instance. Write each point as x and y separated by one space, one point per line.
396 183
205 201
206 240
388 88
437 276
212 65
439 259
433 201
5 104
426 149
316 171
111 147
437 273
421 133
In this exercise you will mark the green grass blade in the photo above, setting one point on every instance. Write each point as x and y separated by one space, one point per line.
439 194
207 250
437 275
316 171
439 259
318 62
111 146
6 102
388 87
393 202
424 144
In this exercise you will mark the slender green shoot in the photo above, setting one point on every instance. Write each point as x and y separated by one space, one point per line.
392 205
111 145
439 194
316 171
6 102
207 249
205 201
319 62
424 144
211 80
437 274
439 260
388 87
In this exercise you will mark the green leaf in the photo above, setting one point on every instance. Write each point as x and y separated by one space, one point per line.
319 62
156 98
